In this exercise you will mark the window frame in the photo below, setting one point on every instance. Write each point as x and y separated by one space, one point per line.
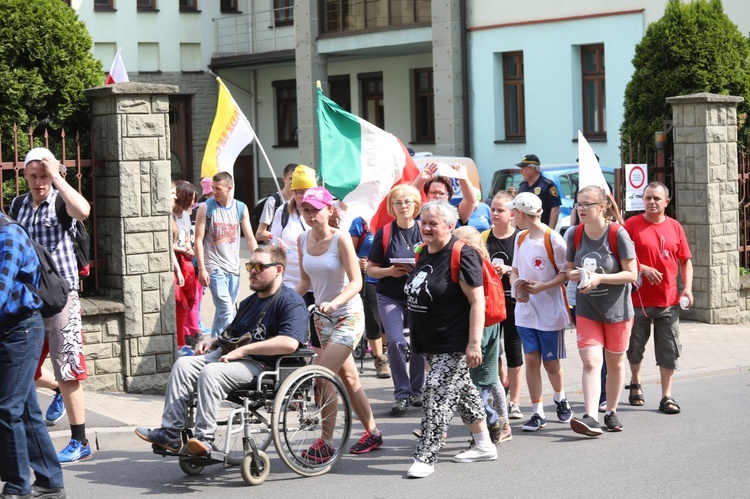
193 7
366 96
419 95
598 76
98 5
514 81
286 106
146 8
281 7
231 9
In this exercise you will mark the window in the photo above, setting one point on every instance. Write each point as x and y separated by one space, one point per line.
148 58
146 5
513 96
188 5
424 106
356 15
286 112
372 98
594 98
103 4
341 91
229 6
283 12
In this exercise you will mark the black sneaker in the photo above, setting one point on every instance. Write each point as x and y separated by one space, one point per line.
564 412
400 406
38 492
535 423
611 422
586 426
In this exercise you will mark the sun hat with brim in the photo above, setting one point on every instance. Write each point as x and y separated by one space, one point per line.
317 197
526 202
207 185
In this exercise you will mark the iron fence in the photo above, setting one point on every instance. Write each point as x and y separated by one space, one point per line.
76 154
743 192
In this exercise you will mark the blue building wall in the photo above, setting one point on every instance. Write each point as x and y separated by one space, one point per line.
553 89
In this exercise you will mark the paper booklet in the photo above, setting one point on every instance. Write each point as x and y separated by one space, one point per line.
516 291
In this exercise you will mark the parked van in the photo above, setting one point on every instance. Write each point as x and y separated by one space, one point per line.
422 159
565 177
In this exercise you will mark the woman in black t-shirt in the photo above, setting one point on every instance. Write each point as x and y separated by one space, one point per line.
446 320
397 240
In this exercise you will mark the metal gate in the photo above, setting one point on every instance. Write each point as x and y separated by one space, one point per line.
76 154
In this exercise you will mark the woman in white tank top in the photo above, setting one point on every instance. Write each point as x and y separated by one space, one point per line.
329 264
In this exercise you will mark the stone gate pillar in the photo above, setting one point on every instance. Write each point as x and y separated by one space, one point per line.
133 202
705 180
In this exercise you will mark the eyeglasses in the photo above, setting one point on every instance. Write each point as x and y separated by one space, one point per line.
406 202
584 206
259 267
437 194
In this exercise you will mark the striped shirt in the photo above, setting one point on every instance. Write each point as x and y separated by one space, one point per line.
44 227
19 264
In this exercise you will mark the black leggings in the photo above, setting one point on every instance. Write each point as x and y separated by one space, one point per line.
511 339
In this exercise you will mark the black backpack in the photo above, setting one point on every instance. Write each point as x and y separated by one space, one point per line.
258 210
79 236
53 289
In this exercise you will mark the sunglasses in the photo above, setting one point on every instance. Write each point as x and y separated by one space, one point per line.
259 267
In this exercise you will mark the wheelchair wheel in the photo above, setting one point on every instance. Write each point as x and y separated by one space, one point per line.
360 350
255 470
310 398
186 466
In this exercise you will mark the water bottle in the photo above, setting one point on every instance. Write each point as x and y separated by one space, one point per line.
277 242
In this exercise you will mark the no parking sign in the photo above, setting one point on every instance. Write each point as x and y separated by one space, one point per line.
636 180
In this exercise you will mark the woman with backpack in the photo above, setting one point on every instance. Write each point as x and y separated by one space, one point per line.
446 319
601 258
397 240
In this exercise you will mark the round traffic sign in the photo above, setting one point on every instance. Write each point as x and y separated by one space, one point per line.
637 177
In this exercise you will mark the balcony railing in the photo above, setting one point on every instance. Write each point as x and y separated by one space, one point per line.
260 31
348 16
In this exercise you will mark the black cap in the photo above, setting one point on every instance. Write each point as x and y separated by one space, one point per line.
529 159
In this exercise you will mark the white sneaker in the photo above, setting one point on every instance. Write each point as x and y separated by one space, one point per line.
420 469
476 454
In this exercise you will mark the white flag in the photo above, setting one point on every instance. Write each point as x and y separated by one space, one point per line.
117 73
589 170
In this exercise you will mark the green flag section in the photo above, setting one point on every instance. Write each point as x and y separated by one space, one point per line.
359 162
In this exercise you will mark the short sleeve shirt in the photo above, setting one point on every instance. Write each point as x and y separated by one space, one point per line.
501 251
546 190
438 307
400 245
269 209
608 303
357 229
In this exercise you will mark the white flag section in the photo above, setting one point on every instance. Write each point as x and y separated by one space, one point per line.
636 176
117 73
589 170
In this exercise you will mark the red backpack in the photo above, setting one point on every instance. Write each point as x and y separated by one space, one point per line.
494 295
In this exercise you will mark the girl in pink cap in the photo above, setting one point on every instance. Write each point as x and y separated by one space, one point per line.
328 263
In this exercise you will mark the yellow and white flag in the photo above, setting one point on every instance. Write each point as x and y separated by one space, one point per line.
230 134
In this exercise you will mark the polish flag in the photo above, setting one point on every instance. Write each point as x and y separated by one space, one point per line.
117 73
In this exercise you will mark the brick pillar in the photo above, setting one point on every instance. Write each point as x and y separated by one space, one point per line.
705 174
447 74
131 134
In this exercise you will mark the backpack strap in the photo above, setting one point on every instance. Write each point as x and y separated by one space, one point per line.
456 260
521 236
284 215
386 236
361 239
550 250
613 228
15 205
578 236
486 236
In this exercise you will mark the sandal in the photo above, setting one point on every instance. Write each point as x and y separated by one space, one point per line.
635 399
669 406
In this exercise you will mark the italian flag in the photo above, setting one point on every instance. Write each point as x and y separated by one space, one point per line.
360 163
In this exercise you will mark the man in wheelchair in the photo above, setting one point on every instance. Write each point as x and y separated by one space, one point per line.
276 318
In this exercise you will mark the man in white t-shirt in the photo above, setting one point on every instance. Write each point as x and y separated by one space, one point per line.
541 311
270 206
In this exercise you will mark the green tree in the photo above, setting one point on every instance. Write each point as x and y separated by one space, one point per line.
693 48
45 65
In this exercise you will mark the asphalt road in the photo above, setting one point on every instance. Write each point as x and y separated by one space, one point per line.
702 452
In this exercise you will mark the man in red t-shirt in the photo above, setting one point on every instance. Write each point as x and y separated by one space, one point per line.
662 248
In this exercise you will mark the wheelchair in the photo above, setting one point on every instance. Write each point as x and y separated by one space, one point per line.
289 405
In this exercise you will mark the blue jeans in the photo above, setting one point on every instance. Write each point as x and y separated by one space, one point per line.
224 288
24 438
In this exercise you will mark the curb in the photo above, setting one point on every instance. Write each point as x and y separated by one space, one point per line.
120 438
